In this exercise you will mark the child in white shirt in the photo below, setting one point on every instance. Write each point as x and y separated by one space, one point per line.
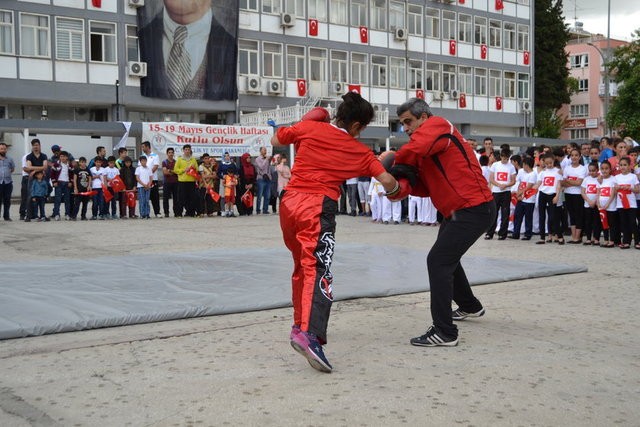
144 177
627 186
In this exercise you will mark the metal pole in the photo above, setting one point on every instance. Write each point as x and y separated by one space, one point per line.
606 87
117 100
606 69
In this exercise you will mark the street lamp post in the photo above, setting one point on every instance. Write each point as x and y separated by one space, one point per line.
606 86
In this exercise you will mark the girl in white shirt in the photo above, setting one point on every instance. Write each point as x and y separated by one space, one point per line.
589 192
573 174
607 206
548 187
627 186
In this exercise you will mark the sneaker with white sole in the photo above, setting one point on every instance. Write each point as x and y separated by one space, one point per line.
433 338
307 345
295 330
461 315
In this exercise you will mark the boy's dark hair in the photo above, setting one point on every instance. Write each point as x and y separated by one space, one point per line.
354 108
484 160
635 149
64 153
594 164
111 159
82 159
122 150
505 152
99 148
146 144
625 159
170 149
517 159
186 146
605 162
127 159
529 161
141 158
35 141
97 159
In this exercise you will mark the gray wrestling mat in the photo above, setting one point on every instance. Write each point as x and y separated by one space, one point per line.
152 288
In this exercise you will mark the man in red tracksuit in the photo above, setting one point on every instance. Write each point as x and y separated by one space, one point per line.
326 155
438 163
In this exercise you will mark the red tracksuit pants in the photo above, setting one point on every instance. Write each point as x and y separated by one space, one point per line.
308 229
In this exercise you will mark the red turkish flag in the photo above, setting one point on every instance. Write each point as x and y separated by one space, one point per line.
302 87
605 191
131 199
525 57
313 27
529 193
499 5
624 193
452 47
498 103
549 181
604 220
106 193
420 93
462 101
514 199
364 34
354 88
502 176
96 3
117 185
215 196
483 51
592 189
461 1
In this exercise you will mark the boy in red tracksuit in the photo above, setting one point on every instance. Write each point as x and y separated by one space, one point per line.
327 155
437 162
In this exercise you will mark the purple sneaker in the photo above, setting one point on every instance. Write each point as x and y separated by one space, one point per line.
295 330
307 345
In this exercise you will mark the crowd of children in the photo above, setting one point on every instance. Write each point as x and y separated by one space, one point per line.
587 192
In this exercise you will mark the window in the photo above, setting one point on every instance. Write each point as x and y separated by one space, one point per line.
524 2
579 133
339 66
318 10
338 12
358 13
495 83
448 25
379 14
523 86
523 37
509 35
133 52
271 6
579 61
583 85
318 64
465 27
415 74
295 62
272 60
247 57
295 7
69 39
396 15
480 82
34 35
448 77
103 42
432 28
415 19
509 84
6 32
359 68
433 77
465 80
495 30
397 73
480 30
379 70
249 5
581 110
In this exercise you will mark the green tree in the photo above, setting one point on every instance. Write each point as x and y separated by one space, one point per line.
553 86
624 113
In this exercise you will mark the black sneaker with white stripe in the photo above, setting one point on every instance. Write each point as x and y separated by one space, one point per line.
433 339
461 315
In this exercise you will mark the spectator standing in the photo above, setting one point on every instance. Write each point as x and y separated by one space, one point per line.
548 186
352 193
122 154
246 182
263 181
627 186
225 165
128 176
153 162
363 189
34 162
110 172
284 175
186 166
573 174
273 199
606 150
7 167
170 183
39 189
589 192
144 178
81 184
60 178
208 181
502 178
101 152
230 184
97 181
607 203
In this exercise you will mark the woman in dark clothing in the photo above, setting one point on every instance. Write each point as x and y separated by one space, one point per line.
246 182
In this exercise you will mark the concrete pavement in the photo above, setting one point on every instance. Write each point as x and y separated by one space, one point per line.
561 350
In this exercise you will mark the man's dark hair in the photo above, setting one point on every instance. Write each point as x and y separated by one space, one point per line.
170 149
100 148
416 106
606 139
488 139
4 143
146 144
354 108
35 141
122 150
186 146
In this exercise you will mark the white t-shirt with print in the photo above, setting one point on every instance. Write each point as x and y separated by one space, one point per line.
530 178
627 180
606 190
570 172
145 175
548 179
590 186
501 174
96 177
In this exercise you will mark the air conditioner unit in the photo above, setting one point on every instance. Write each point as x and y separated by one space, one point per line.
525 106
275 87
136 3
454 94
337 88
287 20
400 34
137 69
439 95
253 84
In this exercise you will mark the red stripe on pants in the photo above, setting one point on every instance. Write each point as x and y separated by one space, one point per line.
308 228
